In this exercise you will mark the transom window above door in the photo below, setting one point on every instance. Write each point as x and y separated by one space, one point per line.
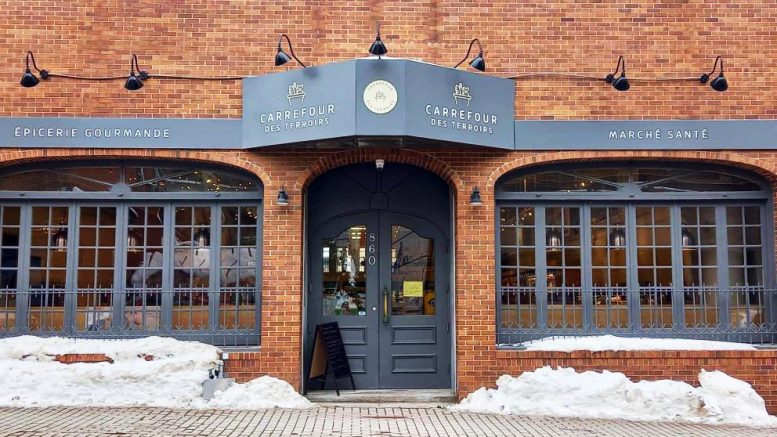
124 251
650 251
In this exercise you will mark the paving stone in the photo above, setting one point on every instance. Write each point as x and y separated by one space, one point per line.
333 420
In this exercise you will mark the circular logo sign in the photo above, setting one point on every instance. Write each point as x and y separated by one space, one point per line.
380 96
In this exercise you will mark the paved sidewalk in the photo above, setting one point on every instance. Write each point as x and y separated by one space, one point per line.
330 420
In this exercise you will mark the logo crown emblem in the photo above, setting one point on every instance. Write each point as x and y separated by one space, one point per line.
296 91
460 91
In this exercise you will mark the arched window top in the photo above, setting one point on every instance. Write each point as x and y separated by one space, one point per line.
151 178
649 178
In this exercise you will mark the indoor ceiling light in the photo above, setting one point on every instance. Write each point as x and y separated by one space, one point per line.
620 83
29 80
135 83
478 63
474 198
378 48
719 83
281 57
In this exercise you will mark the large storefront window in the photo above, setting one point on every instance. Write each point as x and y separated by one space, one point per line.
634 250
115 251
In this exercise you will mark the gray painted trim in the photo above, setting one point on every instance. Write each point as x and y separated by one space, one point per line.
645 135
90 132
229 134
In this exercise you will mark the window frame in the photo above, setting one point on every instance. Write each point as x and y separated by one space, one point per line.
123 201
631 198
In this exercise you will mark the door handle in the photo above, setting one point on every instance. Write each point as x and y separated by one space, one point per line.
386 297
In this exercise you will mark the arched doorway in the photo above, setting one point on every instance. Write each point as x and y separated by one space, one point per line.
108 249
378 264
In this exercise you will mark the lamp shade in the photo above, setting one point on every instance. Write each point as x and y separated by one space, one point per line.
202 238
719 83
133 83
617 238
29 80
378 48
283 198
474 198
281 57
59 240
553 240
621 83
478 63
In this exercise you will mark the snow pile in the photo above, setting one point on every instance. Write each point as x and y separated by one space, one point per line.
613 343
564 392
152 371
263 392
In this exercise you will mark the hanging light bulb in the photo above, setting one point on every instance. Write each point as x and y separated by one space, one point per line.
59 240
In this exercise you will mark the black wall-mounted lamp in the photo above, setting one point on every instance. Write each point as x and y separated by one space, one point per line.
620 83
478 63
28 79
474 198
281 57
283 198
378 48
135 83
719 83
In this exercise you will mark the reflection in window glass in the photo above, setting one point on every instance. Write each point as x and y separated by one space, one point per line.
518 302
609 240
745 265
145 258
654 266
238 261
412 273
9 263
48 268
700 266
344 283
191 267
96 255
562 257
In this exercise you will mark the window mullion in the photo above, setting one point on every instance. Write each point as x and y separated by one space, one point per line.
721 238
586 280
23 275
540 261
635 322
168 258
678 299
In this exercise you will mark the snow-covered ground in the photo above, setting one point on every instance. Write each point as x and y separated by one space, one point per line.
173 378
564 392
612 343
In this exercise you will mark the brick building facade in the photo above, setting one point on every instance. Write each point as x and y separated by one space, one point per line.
659 40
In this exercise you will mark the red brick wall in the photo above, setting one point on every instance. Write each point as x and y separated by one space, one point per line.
665 38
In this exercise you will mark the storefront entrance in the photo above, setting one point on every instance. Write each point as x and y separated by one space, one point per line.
381 272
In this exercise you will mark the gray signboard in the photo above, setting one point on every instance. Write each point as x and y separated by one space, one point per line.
459 106
299 105
378 97
646 135
120 132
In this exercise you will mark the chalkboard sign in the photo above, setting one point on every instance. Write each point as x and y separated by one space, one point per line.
329 354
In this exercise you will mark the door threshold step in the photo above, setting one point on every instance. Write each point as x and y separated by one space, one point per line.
384 396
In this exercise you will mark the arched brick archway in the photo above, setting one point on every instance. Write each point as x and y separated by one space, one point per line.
232 159
764 168
402 156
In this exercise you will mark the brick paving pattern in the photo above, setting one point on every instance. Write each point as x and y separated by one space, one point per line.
337 421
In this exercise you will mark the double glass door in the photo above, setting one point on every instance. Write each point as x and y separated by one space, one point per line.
383 277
